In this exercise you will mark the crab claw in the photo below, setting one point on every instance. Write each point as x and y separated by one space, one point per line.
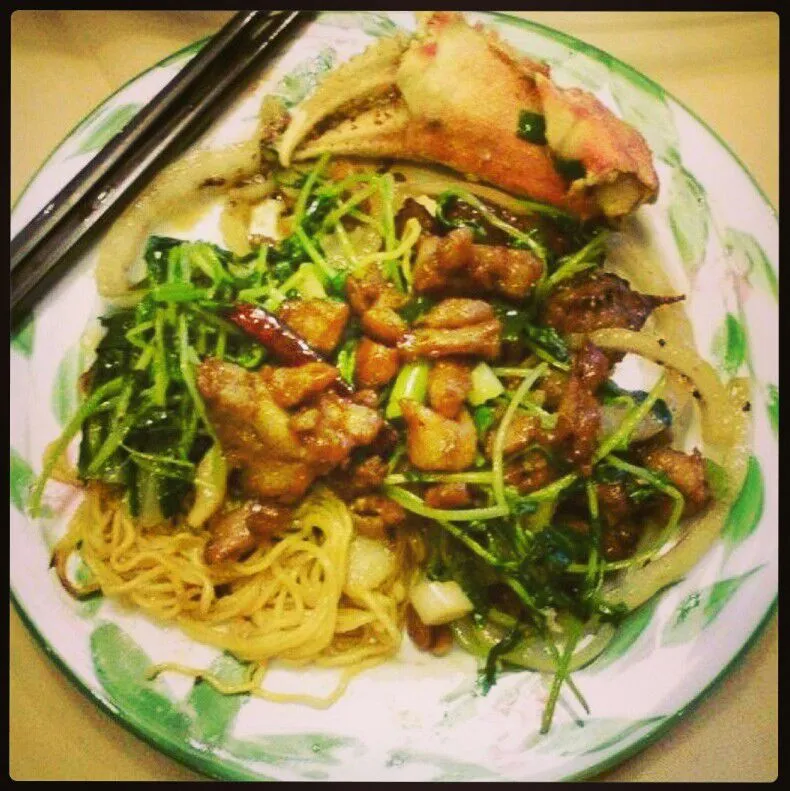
454 94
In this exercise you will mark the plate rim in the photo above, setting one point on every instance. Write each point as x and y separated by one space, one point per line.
209 764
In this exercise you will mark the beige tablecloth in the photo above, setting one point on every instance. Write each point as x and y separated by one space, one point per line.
723 66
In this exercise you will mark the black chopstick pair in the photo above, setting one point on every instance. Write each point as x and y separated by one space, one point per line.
171 121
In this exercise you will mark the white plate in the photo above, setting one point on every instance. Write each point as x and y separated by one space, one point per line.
419 717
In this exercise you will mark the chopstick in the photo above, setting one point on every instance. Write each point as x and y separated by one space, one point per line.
171 121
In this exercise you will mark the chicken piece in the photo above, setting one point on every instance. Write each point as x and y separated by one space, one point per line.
368 475
371 289
279 455
231 537
579 412
552 385
437 640
479 340
376 364
619 541
448 386
319 321
436 443
530 473
403 98
686 472
292 386
248 420
374 514
452 313
453 264
592 302
277 479
411 209
522 431
614 504
383 324
448 495
337 426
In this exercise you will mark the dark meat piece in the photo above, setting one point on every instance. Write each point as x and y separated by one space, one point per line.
376 365
231 538
531 473
594 301
448 495
553 385
453 264
456 312
292 386
614 505
686 472
436 639
374 514
368 475
237 532
619 541
319 321
436 443
579 413
448 386
412 209
523 430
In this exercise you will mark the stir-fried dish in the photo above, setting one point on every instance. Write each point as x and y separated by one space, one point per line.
389 401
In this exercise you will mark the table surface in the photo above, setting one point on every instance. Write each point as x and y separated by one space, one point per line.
723 66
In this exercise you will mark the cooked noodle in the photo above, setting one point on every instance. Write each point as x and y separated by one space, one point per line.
287 600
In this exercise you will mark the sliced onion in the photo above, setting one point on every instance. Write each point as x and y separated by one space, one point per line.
439 602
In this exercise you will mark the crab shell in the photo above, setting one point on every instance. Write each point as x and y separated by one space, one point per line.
453 94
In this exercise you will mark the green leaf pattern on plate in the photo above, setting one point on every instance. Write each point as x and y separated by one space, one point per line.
646 108
689 218
773 407
589 736
700 608
745 513
751 261
280 748
65 393
628 633
299 82
21 477
215 712
22 339
120 666
730 345
107 126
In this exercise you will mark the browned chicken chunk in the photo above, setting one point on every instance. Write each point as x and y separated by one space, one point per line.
337 426
579 413
237 532
292 386
383 324
377 364
686 472
448 495
523 430
453 264
372 288
448 386
456 312
319 321
592 302
373 514
436 443
280 454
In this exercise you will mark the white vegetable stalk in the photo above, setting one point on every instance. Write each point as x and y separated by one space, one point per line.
439 602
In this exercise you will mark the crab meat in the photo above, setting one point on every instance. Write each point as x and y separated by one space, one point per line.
453 94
